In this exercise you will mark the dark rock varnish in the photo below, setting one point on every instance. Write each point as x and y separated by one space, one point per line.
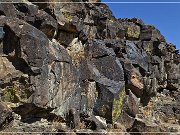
74 67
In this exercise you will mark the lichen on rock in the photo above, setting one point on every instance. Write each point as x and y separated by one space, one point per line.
133 32
117 105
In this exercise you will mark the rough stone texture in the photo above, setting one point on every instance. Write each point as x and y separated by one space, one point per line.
69 67
5 114
145 126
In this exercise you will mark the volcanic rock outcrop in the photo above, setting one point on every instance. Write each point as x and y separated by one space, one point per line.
73 67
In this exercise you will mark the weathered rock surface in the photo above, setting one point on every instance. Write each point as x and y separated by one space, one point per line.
74 67
6 115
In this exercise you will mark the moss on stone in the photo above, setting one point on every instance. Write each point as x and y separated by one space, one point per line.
117 105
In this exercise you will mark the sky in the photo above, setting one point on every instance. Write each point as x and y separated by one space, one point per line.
164 16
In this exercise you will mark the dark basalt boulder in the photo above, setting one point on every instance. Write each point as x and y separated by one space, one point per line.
46 23
145 126
137 57
149 32
129 110
109 79
131 105
26 45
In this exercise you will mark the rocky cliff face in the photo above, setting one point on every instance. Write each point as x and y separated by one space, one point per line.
75 67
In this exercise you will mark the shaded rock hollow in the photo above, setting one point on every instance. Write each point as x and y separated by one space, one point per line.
74 67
